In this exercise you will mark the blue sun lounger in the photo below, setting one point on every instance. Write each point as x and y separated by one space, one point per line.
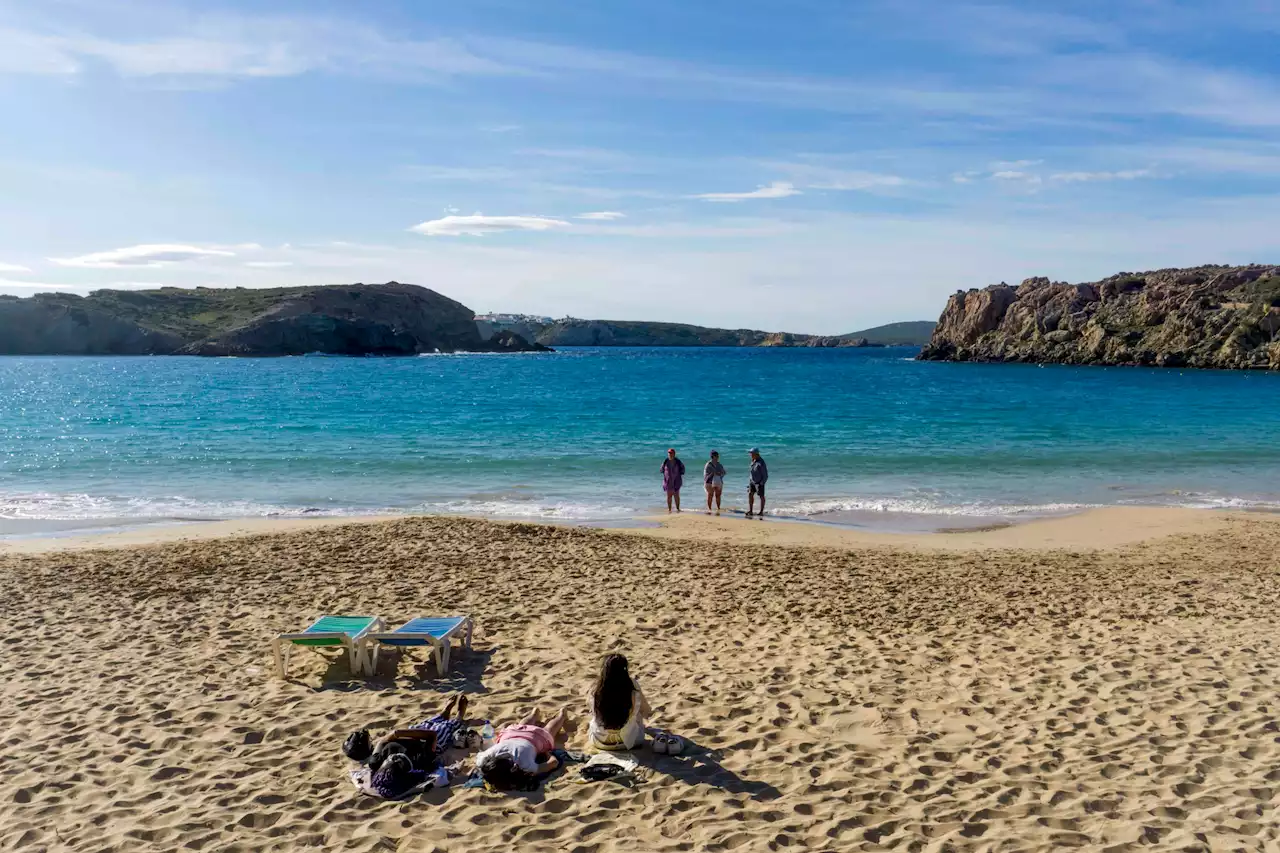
346 632
433 633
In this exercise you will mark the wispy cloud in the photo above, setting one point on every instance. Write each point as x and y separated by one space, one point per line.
1016 176
777 189
147 255
267 265
13 268
1080 177
479 225
602 215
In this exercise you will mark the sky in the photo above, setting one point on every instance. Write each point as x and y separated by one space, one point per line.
810 165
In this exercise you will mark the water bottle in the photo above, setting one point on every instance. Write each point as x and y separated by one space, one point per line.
487 735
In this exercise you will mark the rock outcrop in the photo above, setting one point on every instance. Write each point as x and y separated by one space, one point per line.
1210 316
357 319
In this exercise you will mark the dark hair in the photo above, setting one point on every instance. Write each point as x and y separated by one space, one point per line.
611 700
357 746
502 773
394 777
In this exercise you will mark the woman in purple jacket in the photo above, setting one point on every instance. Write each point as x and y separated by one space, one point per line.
672 478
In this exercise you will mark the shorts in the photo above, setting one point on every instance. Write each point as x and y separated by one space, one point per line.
536 735
756 489
715 483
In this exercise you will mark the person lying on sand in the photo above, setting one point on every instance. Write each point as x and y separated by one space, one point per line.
421 745
522 752
618 707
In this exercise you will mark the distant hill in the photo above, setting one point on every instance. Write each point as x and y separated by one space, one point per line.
339 319
571 332
913 333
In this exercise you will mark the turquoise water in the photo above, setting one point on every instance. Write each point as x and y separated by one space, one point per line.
859 436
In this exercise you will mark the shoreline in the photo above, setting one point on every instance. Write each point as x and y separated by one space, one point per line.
1089 529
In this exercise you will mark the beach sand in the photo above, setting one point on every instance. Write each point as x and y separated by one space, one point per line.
1108 682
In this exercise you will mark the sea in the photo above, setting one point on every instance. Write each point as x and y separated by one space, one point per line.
867 438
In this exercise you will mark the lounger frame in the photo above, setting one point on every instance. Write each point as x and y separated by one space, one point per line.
354 644
439 643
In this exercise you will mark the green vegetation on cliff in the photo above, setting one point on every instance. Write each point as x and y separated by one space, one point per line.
357 319
1210 316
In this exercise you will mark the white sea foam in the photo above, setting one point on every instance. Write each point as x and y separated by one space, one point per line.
920 506
532 508
71 507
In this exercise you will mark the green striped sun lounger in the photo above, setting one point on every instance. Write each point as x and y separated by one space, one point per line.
434 633
342 632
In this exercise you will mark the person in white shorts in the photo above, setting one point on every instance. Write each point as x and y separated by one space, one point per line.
713 478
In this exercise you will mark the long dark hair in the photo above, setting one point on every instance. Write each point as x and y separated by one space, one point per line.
611 700
503 774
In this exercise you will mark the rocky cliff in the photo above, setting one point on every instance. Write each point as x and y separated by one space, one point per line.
1210 316
357 319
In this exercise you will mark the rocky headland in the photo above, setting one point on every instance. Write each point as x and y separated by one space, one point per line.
355 319
1210 316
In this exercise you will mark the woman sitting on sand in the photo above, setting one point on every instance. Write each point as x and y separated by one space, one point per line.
522 753
618 707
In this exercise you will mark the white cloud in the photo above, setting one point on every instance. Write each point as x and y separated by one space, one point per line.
1015 175
147 255
479 225
777 189
602 215
267 265
13 268
1009 165
1126 175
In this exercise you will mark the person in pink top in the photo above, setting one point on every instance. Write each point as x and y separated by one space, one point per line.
522 753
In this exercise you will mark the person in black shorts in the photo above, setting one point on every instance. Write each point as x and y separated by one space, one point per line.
756 478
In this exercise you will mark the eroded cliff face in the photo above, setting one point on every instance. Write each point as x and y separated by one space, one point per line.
62 324
357 319
1211 316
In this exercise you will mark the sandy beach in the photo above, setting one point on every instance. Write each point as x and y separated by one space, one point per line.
1107 681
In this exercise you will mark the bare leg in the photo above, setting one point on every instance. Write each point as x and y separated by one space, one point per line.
751 503
668 501
710 492
533 718
447 711
719 489
762 504
677 501
556 724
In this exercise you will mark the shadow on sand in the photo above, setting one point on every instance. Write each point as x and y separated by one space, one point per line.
465 675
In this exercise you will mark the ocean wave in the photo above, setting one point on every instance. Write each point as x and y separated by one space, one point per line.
531 508
921 506
32 506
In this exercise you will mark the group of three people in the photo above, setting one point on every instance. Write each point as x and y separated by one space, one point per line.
520 754
713 475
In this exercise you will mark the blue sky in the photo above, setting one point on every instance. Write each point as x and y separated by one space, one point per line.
811 165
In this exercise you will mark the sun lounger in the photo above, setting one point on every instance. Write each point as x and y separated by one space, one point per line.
346 632
433 633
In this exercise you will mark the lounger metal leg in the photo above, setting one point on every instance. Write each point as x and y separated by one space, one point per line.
275 652
444 652
470 624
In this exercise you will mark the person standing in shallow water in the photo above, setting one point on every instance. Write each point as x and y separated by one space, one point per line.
672 478
756 478
713 478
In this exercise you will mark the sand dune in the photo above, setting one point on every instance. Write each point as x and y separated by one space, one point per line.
840 698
